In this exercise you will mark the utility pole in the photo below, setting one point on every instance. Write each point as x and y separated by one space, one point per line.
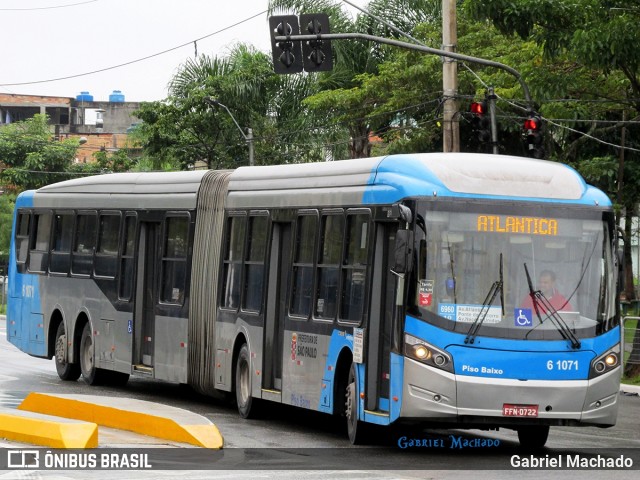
491 99
451 126
248 137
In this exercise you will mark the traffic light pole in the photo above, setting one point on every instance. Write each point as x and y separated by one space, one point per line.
450 124
491 99
411 46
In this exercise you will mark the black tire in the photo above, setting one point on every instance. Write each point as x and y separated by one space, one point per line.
90 374
66 371
533 437
357 430
247 405
117 379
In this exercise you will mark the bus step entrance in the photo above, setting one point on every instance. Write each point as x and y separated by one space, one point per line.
143 369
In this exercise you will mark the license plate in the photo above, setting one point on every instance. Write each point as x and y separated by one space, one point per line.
511 410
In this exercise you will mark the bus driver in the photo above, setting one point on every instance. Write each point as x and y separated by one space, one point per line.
547 286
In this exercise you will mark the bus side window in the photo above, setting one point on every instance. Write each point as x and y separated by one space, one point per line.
39 249
127 262
85 242
354 268
305 241
236 226
174 260
106 263
61 248
254 263
327 290
23 225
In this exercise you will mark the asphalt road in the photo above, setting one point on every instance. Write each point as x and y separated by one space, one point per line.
290 442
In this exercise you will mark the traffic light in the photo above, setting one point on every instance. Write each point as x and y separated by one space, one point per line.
533 133
480 121
287 55
316 53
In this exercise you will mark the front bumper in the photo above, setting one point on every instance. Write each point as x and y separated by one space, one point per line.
433 395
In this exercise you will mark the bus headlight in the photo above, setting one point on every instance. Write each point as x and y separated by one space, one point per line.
426 353
605 362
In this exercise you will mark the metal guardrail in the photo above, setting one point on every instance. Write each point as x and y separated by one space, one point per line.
634 343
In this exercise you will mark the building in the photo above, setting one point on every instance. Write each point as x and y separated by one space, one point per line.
103 124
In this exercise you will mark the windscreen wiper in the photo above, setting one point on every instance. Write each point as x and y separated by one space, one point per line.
538 298
488 301
453 272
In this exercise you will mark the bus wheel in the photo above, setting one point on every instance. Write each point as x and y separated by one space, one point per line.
533 437
247 405
356 429
66 371
90 374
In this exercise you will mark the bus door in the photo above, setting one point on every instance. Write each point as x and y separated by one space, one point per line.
146 296
380 329
278 281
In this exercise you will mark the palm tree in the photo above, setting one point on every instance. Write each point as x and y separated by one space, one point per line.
270 104
355 57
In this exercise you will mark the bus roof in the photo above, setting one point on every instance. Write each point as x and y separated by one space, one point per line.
389 179
139 182
378 180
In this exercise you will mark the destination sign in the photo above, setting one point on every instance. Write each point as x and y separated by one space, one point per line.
507 224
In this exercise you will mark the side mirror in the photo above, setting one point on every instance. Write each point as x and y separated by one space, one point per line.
403 255
621 271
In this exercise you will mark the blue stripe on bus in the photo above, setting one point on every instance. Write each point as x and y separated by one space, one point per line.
25 322
403 176
515 359
339 341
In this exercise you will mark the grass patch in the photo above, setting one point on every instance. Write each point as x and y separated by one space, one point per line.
631 381
629 333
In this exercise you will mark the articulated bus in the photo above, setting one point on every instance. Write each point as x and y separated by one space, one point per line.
386 290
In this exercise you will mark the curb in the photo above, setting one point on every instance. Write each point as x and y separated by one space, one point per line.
624 388
36 429
146 418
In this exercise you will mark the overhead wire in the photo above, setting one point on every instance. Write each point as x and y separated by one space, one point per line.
113 67
29 9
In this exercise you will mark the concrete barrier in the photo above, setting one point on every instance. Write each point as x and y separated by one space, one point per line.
38 429
146 418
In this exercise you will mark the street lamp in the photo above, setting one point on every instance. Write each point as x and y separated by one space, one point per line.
248 136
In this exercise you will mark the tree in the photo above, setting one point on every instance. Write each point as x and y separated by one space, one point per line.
31 157
188 126
7 202
339 98
603 35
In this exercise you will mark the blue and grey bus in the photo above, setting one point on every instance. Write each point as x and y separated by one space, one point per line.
387 290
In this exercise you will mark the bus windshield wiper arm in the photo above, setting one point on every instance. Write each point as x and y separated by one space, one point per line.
538 298
482 314
453 272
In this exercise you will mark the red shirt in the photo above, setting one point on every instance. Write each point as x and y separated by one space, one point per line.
557 301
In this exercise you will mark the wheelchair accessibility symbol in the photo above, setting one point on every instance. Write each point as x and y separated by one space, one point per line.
523 317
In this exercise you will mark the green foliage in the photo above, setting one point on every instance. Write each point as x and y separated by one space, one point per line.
189 127
113 162
341 96
30 156
7 203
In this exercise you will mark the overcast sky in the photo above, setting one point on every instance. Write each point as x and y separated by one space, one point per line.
49 39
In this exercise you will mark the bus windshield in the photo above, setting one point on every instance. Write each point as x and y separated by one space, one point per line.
474 260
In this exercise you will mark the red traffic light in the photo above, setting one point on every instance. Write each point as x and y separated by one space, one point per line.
532 123
479 108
